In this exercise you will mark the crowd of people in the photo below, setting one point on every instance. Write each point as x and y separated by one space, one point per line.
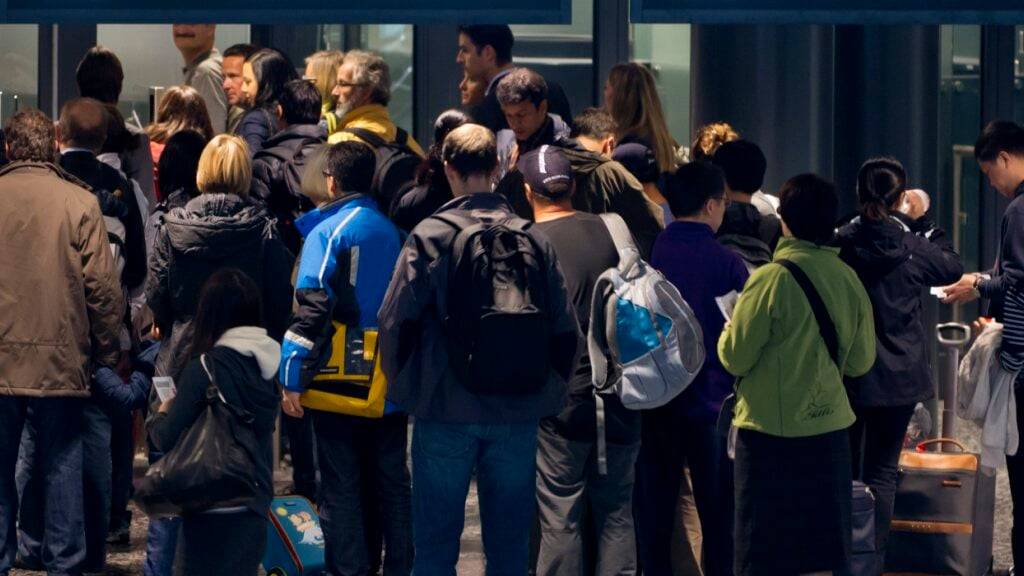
275 239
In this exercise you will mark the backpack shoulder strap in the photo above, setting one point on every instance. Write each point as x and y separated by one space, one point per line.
401 137
821 315
621 235
365 135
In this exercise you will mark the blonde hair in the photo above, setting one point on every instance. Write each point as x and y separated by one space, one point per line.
324 67
636 109
181 108
710 137
225 167
314 182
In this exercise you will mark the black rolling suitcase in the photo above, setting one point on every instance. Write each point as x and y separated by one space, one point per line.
944 514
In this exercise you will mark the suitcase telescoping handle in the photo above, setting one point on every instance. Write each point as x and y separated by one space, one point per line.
923 446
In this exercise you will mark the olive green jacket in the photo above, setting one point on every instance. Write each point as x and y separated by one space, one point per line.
788 384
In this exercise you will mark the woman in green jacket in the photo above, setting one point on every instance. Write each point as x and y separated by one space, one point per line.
792 465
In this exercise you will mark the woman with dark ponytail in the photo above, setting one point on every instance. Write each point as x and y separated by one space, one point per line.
896 257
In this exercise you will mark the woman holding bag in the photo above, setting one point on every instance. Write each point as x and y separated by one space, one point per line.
792 470
233 353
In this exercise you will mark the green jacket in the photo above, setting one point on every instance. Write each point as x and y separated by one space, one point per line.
789 386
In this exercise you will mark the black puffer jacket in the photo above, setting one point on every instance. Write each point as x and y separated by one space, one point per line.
211 232
277 177
896 266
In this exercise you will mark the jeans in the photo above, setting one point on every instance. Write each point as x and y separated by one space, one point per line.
351 448
444 456
568 485
95 492
876 439
668 443
122 447
55 424
161 540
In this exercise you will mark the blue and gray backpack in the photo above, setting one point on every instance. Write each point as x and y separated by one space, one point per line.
644 342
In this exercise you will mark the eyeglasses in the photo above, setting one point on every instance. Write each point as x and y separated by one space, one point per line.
343 84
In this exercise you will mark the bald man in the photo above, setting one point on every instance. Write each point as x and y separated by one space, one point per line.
203 68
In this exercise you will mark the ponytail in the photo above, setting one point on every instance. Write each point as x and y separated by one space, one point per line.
880 185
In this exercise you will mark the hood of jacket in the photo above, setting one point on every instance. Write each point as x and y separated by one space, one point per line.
295 132
875 245
753 250
741 219
583 161
254 342
216 225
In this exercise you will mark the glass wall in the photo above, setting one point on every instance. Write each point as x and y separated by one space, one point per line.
956 204
665 50
19 61
151 61
394 43
562 53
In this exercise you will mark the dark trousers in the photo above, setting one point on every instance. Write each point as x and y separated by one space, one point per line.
215 544
349 447
668 443
569 489
301 446
55 423
444 456
122 452
876 439
1015 471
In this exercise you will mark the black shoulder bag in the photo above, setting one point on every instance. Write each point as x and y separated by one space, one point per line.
211 465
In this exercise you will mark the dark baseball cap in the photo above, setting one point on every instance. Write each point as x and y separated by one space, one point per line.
547 171
639 161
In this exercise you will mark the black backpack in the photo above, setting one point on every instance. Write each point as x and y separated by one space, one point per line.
497 322
396 166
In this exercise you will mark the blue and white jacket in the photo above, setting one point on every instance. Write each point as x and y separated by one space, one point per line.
346 264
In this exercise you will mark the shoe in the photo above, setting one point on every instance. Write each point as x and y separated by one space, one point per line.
119 537
23 563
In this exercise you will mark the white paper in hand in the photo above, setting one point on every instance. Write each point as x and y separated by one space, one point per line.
164 387
727 303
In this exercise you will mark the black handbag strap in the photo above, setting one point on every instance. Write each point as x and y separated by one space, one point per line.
825 325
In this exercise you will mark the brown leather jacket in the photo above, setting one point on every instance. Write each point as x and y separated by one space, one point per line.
61 304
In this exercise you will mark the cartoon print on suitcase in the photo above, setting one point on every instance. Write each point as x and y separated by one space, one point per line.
295 540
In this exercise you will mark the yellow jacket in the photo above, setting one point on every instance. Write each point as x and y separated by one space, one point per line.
373 118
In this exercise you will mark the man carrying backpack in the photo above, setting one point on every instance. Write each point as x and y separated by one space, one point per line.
277 168
363 92
328 365
477 340
568 478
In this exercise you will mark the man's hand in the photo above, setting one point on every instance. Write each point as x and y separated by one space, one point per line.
166 405
978 325
292 403
962 291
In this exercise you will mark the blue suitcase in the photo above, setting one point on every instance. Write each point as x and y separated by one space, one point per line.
295 541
